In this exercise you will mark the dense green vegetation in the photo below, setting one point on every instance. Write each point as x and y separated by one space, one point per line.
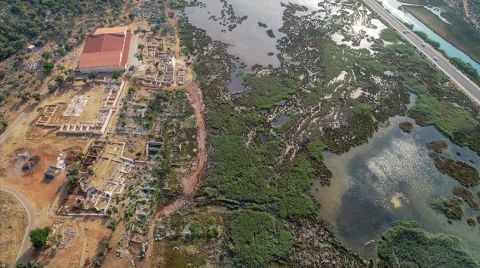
296 178
315 149
448 119
443 106
242 175
408 245
258 238
266 91
468 136
249 177
389 35
39 236
39 22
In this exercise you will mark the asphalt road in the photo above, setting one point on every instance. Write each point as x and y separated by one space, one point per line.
465 84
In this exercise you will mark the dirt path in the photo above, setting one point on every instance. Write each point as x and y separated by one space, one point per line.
190 180
31 219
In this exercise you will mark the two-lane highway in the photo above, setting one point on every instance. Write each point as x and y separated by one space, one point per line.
465 84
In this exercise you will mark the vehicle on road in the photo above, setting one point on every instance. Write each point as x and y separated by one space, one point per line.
435 58
423 44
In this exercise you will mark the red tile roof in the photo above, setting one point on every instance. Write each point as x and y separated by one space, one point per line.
111 30
106 50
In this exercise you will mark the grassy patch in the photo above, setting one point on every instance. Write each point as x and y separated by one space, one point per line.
408 245
447 118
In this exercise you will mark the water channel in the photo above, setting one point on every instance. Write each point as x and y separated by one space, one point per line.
394 7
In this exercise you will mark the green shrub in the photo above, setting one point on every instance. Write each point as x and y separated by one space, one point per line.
257 239
39 237
406 243
266 91
389 35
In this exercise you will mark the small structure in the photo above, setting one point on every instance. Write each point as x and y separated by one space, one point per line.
153 147
31 47
50 173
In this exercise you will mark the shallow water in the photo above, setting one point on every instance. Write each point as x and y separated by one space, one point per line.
247 40
391 178
279 120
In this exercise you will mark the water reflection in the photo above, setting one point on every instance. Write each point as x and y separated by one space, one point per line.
391 178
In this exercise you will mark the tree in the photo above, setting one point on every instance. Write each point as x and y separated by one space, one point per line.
3 122
24 96
36 96
72 180
70 77
141 46
72 174
116 74
130 91
92 75
79 157
48 67
52 86
46 55
39 237
3 96
59 79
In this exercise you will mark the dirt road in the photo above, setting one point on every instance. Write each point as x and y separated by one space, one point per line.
190 181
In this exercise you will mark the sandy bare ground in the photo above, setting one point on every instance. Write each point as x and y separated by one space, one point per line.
15 221
38 195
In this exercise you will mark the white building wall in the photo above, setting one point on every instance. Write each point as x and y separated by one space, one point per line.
108 69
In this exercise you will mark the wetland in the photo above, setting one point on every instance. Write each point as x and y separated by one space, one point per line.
313 140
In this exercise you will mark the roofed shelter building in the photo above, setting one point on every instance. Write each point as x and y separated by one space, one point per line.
106 50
